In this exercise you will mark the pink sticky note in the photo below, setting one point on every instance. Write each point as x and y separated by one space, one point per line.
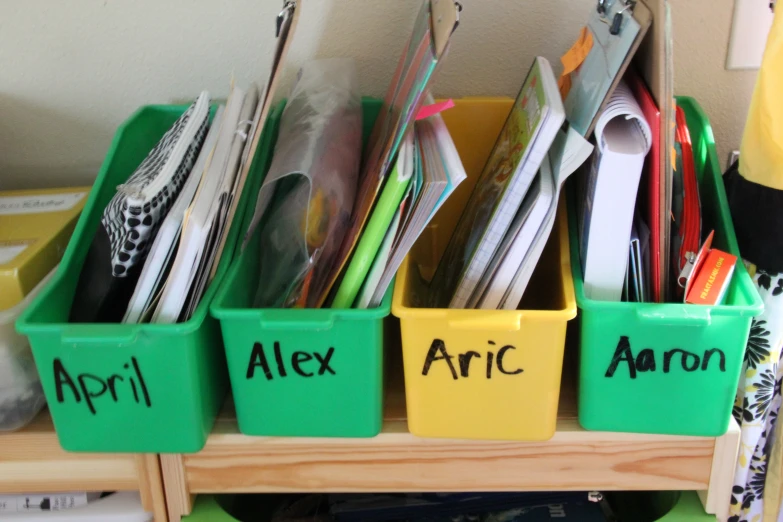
435 108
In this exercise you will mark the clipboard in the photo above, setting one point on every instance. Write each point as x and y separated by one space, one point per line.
618 28
285 26
654 62
427 45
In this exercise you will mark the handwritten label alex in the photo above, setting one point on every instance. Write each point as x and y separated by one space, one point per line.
303 364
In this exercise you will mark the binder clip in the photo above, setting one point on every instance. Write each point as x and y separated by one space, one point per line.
617 21
288 8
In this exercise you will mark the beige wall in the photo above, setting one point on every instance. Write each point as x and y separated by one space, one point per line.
70 72
701 29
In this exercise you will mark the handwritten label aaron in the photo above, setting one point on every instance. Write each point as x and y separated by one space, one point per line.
438 352
124 386
645 360
304 364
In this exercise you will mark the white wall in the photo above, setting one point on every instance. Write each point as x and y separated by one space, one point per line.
71 71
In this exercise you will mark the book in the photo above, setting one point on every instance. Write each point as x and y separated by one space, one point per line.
156 267
424 51
569 151
507 260
131 219
377 226
530 128
199 224
609 195
712 280
440 170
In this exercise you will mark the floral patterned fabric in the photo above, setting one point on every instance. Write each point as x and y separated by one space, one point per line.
758 400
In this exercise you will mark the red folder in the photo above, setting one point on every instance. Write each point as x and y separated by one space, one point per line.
690 220
652 180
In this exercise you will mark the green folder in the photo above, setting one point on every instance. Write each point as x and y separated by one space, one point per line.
375 230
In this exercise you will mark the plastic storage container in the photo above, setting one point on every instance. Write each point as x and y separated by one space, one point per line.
513 393
21 395
234 508
325 366
659 506
668 368
206 508
130 387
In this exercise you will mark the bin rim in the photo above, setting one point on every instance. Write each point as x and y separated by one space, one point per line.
221 312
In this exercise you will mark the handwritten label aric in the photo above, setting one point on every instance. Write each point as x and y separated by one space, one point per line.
438 352
123 387
303 364
645 360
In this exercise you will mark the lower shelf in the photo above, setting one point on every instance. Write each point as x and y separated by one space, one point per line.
31 459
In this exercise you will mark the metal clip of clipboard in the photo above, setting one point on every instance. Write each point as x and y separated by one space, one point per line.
288 8
604 8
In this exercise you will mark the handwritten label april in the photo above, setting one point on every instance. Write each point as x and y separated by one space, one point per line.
90 387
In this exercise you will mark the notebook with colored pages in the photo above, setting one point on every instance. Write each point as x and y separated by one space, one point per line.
424 51
373 235
440 170
524 141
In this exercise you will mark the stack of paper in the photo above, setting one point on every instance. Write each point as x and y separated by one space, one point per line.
205 221
608 196
436 171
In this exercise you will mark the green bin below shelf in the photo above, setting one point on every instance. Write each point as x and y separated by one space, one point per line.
658 506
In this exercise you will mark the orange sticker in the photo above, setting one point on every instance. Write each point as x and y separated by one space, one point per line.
674 149
573 58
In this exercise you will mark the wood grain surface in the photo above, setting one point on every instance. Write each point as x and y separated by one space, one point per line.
395 460
31 460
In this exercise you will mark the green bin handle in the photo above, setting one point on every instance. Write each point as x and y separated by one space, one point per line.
299 320
104 334
675 315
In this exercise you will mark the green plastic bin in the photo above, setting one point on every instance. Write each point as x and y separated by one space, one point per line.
655 506
207 508
150 388
687 358
658 506
303 372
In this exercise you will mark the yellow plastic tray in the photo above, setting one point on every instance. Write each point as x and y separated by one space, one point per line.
495 400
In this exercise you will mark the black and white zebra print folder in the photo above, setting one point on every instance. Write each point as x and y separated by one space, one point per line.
132 218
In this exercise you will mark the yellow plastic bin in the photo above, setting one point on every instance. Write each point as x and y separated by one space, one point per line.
507 363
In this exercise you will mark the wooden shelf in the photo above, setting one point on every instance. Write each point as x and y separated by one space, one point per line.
31 460
395 460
